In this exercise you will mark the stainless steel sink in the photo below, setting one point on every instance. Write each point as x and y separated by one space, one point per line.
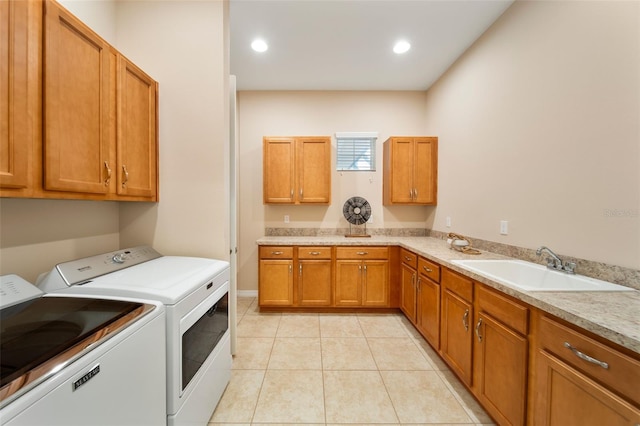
533 277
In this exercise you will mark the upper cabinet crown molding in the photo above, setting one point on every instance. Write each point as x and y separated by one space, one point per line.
410 170
297 170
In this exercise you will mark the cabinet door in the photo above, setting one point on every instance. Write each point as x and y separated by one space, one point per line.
425 172
401 169
428 311
137 141
375 291
275 282
314 282
456 338
348 283
313 170
408 292
278 170
564 397
500 369
79 95
19 91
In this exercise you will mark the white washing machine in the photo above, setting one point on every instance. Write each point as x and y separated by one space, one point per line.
72 359
195 292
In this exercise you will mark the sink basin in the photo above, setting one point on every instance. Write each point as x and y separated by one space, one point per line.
533 277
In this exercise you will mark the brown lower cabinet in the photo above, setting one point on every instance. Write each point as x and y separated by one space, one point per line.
362 277
329 277
523 365
428 301
500 355
581 381
314 276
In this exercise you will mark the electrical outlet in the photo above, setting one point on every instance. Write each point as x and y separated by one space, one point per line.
504 227
448 221
286 218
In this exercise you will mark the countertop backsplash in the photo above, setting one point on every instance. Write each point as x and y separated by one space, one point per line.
612 273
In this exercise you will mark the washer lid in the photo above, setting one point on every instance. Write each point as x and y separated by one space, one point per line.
42 335
167 279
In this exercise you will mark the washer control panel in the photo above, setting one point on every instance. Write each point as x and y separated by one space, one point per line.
82 270
15 289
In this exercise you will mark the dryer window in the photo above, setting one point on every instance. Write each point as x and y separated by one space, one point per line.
201 339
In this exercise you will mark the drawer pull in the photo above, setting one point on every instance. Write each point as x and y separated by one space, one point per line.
314 253
586 357
362 253
408 259
276 253
427 269
465 320
478 330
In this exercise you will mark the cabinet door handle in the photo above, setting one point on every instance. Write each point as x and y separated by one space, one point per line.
365 269
300 192
292 194
427 269
418 285
126 176
314 253
300 269
465 320
415 193
108 179
362 253
586 357
290 268
478 330
276 253
413 280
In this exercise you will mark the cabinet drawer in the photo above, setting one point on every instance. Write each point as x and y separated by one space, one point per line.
504 310
429 269
622 373
276 252
314 252
458 284
408 258
362 253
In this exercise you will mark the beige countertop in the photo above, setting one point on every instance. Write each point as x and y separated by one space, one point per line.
612 315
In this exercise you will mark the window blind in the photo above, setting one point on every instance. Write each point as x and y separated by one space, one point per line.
356 152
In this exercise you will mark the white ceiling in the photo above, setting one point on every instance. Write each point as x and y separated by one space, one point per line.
347 44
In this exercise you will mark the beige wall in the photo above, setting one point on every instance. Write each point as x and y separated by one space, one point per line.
539 124
320 113
183 45
37 234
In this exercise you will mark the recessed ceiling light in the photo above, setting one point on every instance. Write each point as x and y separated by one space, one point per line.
402 47
259 45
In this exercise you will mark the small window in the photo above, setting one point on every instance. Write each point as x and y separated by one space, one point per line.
356 151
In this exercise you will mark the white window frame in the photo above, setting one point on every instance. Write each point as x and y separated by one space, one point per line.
351 138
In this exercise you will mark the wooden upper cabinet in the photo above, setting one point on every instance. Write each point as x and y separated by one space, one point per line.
278 170
77 119
137 131
20 94
410 170
297 170
79 94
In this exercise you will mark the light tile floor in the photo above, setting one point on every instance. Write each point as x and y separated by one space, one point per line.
326 369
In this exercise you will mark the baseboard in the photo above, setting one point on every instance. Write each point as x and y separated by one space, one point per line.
247 293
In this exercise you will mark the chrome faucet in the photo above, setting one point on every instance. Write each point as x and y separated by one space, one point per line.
555 263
